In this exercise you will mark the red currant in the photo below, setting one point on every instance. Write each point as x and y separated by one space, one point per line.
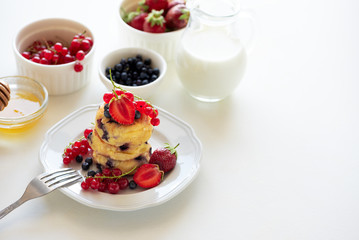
78 67
89 180
66 160
107 97
119 92
85 45
68 58
113 187
80 55
58 47
155 121
107 172
44 61
116 172
87 132
48 54
95 183
90 40
153 113
36 59
26 55
102 187
55 59
64 51
147 110
141 105
129 95
85 186
123 183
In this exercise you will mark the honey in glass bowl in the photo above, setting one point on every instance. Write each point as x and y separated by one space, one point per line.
28 101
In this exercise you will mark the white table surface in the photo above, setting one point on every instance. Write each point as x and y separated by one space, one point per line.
280 156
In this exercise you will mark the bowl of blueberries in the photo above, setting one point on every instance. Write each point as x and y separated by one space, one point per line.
137 70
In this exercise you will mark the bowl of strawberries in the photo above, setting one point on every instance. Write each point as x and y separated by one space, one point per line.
153 24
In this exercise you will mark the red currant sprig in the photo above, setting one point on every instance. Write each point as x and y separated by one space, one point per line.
50 53
76 148
110 180
141 105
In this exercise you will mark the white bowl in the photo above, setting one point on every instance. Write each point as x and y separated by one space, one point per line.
58 79
163 43
114 57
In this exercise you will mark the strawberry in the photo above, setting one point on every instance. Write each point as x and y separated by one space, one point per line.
122 110
148 176
165 157
156 4
177 17
154 22
136 19
174 3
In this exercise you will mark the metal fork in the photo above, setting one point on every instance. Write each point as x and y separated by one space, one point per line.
44 184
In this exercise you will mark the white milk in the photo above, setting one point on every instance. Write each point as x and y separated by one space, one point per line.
210 64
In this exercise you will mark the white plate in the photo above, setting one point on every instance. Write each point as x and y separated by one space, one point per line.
171 130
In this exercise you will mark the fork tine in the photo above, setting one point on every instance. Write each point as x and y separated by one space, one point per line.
59 178
56 172
65 181
57 175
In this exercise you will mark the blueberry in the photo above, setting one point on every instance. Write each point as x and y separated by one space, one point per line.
79 158
137 114
85 166
109 163
144 75
117 74
139 65
154 77
128 82
156 71
91 173
89 160
106 111
148 61
124 76
123 61
139 57
132 184
119 67
107 71
145 81
124 147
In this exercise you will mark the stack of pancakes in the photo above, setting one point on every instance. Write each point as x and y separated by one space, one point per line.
120 146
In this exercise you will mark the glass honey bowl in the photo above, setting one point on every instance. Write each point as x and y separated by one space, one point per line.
27 104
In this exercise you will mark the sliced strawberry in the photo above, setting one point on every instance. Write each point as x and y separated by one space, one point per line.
122 110
148 176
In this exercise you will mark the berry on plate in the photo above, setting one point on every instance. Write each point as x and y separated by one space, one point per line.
148 176
165 157
122 110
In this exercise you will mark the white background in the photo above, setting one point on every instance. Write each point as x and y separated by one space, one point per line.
280 156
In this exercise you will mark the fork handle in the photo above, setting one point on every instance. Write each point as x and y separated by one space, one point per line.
8 209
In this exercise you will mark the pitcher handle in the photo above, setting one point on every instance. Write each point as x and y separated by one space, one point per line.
248 37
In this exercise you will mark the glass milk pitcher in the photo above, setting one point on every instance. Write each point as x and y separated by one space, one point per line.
211 59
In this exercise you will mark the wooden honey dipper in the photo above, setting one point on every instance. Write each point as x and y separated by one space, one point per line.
4 94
